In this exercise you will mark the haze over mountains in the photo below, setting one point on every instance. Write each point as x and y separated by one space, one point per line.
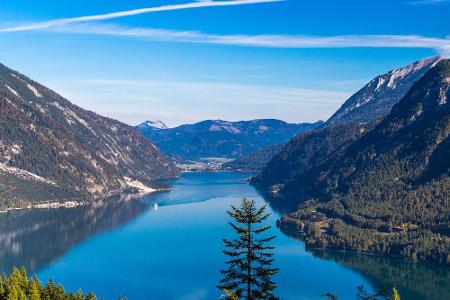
217 138
51 149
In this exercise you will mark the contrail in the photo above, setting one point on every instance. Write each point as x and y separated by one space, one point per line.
133 12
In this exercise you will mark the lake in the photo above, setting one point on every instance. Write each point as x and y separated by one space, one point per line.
168 246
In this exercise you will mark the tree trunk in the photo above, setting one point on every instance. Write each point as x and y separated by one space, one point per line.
249 263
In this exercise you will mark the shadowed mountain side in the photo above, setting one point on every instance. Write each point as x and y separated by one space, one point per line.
356 116
388 191
254 161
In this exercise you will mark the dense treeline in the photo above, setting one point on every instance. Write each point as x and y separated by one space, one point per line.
388 191
253 162
417 244
12 201
306 151
18 286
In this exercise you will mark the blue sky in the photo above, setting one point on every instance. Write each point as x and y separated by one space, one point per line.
185 61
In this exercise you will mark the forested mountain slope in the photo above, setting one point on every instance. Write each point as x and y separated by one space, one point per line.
304 152
217 138
389 191
55 149
254 161
360 112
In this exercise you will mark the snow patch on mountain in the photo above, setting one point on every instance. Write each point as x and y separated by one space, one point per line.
383 92
396 75
263 128
12 91
72 117
219 125
230 128
158 125
23 174
34 90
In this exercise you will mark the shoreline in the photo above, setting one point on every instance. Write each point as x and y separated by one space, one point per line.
50 204
73 203
296 229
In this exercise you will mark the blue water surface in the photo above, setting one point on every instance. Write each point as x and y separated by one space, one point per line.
172 249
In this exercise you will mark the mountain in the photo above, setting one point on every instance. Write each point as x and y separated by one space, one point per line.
304 152
52 149
254 161
149 125
388 191
361 111
217 138
378 97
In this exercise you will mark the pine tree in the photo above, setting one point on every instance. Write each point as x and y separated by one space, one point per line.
249 273
49 291
34 289
395 294
17 286
79 295
90 296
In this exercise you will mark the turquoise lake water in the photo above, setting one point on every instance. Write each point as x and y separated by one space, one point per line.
168 246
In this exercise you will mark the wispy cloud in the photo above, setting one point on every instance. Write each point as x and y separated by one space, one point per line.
127 13
88 25
427 2
442 45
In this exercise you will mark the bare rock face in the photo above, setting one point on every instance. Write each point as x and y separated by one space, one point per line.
377 98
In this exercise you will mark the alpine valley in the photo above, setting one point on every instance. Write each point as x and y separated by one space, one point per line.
225 149
221 139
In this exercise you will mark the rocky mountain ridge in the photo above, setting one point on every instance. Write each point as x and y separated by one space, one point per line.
360 112
377 98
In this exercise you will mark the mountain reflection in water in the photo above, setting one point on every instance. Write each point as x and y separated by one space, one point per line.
421 280
426 281
188 226
34 238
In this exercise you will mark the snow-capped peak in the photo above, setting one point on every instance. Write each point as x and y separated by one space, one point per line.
382 93
153 124
396 75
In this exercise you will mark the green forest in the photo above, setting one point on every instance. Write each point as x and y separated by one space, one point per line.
18 286
386 191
